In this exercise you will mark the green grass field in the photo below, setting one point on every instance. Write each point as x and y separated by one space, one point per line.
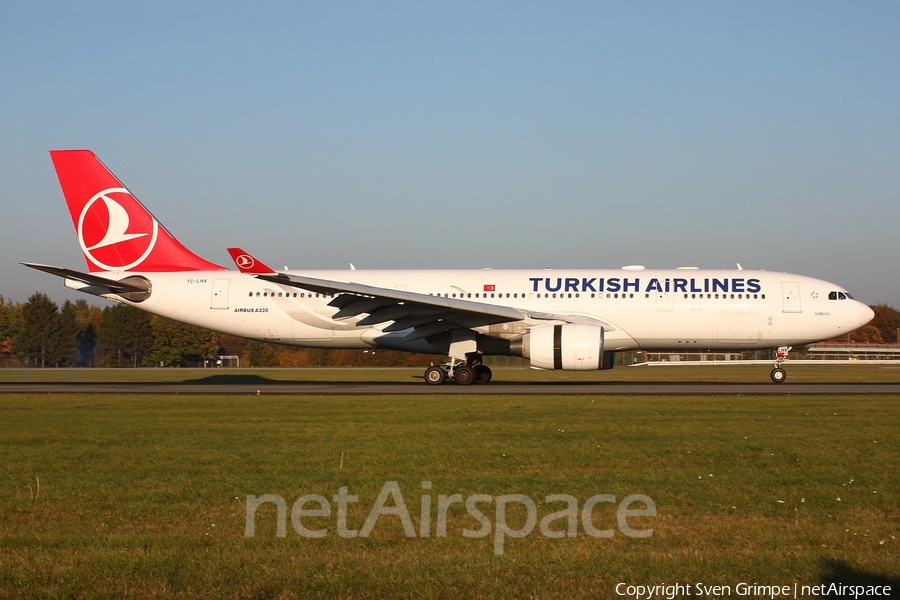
143 497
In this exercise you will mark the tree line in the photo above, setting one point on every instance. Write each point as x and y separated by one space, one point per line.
39 333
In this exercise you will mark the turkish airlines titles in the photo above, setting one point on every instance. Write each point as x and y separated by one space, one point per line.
738 285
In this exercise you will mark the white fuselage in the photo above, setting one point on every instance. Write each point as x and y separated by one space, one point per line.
638 308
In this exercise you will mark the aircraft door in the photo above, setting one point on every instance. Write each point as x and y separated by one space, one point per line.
790 291
219 300
665 301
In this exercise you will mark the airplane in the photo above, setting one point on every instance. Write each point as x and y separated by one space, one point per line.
555 319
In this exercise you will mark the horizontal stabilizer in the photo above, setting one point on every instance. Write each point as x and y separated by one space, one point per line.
115 287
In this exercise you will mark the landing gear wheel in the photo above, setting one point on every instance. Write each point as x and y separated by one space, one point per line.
483 372
781 355
464 375
435 376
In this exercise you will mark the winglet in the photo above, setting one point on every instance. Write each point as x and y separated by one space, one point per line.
246 263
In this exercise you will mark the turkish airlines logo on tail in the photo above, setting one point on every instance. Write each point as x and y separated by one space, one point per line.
115 232
244 261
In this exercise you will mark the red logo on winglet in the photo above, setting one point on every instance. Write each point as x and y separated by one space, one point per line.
246 263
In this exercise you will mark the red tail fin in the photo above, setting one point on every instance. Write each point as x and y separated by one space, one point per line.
115 231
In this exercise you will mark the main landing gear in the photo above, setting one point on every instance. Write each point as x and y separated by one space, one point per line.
778 375
458 372
465 366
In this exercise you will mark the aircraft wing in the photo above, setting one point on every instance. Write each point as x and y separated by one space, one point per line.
427 315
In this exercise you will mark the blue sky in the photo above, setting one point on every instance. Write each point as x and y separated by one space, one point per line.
467 135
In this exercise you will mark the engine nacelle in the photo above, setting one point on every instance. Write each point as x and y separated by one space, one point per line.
571 346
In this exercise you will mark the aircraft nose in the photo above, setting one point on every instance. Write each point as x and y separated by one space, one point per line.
866 314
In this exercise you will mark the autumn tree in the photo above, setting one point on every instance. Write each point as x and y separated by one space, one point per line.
261 355
887 321
179 344
88 318
9 319
66 352
124 336
868 334
37 336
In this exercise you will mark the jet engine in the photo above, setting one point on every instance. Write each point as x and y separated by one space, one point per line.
570 346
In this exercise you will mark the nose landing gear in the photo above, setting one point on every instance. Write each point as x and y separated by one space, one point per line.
778 374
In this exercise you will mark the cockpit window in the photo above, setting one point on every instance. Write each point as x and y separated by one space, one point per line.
832 295
839 296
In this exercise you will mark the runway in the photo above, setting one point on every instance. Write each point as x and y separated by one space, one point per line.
264 386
